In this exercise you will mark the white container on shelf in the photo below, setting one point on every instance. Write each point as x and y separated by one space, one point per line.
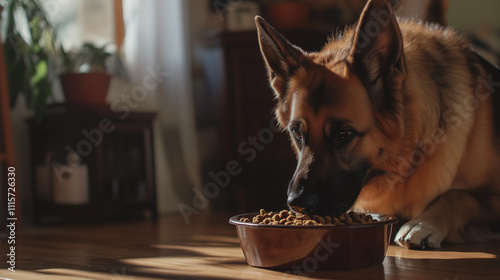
72 187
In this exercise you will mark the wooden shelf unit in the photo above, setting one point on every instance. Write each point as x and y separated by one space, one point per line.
117 153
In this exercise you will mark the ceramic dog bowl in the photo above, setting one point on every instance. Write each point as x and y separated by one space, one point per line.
315 247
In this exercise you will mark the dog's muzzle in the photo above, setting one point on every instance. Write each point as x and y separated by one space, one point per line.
302 203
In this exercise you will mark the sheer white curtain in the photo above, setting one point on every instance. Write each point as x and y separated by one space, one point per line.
156 50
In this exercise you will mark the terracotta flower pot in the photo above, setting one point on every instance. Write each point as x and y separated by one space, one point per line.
86 88
288 15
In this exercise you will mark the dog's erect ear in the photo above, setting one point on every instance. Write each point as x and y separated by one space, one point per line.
377 55
282 58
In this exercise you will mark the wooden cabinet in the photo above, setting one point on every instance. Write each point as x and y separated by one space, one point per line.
92 164
237 79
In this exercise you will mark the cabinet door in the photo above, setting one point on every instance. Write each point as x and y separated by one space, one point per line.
127 164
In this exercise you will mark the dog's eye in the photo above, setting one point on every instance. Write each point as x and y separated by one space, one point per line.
297 134
344 136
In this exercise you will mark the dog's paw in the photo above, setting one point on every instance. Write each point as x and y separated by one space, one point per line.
418 234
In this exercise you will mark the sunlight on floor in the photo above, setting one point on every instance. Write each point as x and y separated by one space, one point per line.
210 267
215 238
74 274
197 261
202 250
437 255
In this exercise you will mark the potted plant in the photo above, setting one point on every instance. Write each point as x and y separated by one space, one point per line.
29 54
87 74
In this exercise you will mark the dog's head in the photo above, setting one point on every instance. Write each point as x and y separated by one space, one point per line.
341 107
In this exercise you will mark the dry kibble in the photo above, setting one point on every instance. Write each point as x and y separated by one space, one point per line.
355 217
319 219
301 216
284 214
285 217
328 219
310 222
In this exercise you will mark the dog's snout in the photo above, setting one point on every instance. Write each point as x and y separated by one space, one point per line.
302 203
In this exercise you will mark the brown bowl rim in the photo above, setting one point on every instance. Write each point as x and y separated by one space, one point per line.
382 220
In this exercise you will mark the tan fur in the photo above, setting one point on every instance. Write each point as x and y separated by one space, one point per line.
436 146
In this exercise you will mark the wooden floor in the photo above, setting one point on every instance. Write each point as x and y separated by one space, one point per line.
208 249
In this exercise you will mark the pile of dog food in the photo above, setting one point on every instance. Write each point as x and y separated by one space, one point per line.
286 217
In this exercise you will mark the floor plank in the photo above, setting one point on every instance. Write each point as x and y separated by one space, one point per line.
208 248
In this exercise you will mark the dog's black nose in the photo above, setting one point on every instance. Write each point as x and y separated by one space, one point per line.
303 202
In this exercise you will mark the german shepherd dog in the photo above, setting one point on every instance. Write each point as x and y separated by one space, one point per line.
392 117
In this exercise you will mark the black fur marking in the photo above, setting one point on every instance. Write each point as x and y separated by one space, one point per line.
284 89
315 97
474 64
438 73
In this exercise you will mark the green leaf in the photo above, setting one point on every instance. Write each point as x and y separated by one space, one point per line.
47 40
69 65
10 15
41 72
28 90
14 51
27 59
44 91
35 31
42 13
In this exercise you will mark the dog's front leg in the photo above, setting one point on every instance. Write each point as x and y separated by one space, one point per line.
447 218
